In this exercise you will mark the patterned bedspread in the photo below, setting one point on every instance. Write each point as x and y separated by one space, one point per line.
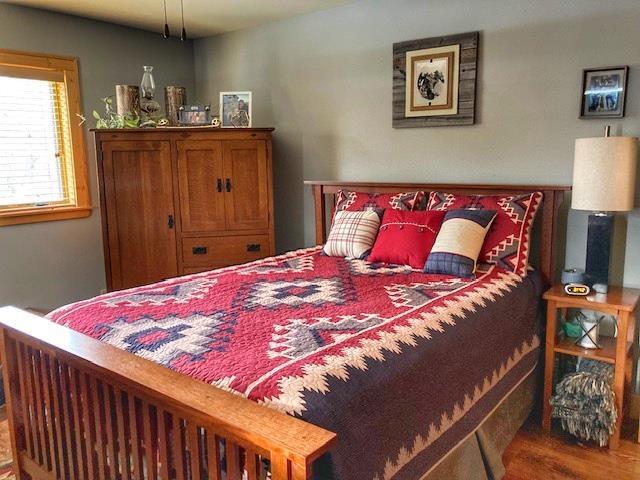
400 364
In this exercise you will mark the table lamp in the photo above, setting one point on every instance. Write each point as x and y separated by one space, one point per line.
604 178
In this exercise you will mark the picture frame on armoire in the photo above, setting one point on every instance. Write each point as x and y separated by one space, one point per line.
604 92
236 109
434 81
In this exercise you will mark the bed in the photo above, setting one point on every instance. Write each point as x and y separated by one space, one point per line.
298 364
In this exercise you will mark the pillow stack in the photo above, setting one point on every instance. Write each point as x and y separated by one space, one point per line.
448 234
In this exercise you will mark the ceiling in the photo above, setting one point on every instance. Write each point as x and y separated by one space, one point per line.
202 17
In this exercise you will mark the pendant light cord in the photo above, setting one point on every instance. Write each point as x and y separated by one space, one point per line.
165 33
183 37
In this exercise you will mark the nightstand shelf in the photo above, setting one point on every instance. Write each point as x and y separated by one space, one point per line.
607 353
619 302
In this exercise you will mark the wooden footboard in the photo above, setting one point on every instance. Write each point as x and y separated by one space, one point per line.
81 409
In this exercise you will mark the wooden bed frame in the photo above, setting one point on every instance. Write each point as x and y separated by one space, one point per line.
80 409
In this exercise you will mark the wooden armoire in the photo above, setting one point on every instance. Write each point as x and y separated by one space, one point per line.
176 201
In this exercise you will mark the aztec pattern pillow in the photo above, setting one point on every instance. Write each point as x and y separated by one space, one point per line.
352 234
508 242
406 238
358 201
459 242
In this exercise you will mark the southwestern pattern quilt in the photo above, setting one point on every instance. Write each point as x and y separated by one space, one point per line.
402 365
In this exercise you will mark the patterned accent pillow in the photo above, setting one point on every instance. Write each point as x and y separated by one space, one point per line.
406 238
508 241
459 242
358 201
352 234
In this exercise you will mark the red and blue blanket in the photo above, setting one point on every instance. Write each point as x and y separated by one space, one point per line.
400 364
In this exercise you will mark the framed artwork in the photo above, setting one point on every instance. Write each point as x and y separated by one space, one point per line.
434 81
604 92
235 109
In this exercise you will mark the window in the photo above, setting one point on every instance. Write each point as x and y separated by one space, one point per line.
42 157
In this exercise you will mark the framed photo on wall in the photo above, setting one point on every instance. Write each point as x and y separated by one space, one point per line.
434 81
235 109
604 92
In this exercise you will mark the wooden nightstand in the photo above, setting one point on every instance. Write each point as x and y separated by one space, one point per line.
619 302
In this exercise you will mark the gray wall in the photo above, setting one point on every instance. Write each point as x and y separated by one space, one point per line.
45 265
324 81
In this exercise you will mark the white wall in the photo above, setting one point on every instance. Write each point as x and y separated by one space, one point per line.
46 265
324 81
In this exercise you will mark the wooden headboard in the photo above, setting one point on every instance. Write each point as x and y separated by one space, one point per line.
547 219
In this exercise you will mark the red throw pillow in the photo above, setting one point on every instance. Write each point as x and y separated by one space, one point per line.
508 242
406 238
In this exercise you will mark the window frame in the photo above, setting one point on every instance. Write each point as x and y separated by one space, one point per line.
48 67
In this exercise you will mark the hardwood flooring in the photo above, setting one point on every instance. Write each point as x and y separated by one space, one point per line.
533 456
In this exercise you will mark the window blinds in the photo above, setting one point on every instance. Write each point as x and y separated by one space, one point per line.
36 163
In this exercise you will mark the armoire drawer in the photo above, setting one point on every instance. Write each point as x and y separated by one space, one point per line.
223 251
198 269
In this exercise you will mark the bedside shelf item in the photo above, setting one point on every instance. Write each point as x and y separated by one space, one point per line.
619 302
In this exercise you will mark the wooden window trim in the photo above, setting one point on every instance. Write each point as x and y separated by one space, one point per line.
53 67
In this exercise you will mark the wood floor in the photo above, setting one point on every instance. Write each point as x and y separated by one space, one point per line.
533 456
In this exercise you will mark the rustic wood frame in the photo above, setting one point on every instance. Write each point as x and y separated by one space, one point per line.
467 76
80 409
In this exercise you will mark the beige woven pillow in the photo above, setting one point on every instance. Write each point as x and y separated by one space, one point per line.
352 234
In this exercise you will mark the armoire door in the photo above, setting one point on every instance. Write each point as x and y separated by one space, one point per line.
201 178
246 184
138 190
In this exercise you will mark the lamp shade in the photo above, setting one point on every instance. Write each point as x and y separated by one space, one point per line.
604 174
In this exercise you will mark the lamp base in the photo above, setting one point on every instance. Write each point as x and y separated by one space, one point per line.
599 240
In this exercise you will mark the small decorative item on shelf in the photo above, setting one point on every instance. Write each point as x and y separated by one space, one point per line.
573 280
572 275
174 98
577 289
585 402
235 109
148 106
194 115
111 119
589 330
128 100
572 328
215 122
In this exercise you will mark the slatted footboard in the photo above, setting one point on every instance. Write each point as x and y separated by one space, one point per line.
83 410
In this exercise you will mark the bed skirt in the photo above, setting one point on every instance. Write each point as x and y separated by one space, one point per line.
479 456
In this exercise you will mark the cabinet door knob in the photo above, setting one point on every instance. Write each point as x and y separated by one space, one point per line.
219 185
199 250
228 184
253 247
171 222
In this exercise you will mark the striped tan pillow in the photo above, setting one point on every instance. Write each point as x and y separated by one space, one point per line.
352 234
459 242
